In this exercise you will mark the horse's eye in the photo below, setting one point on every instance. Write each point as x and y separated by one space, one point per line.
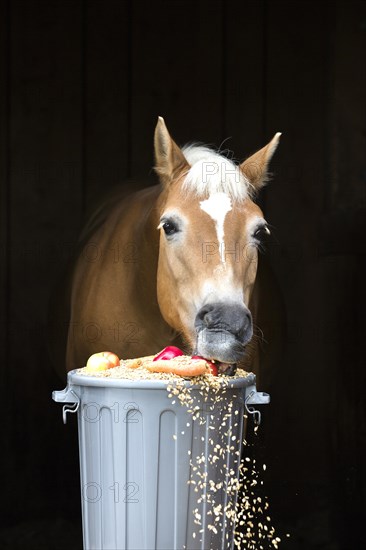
261 232
169 228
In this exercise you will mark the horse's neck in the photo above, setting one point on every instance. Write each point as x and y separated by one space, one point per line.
138 240
141 238
144 242
115 291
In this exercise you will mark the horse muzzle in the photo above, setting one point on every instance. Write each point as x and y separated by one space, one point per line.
223 330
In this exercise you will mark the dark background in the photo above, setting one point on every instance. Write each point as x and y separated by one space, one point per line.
81 86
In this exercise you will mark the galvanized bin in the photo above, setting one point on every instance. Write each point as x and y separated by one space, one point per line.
146 466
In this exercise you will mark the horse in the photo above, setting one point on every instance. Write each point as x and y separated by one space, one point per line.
177 263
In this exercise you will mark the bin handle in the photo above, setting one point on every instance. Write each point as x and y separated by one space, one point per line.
253 397
66 396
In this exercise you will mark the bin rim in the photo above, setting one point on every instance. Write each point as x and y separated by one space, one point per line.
74 378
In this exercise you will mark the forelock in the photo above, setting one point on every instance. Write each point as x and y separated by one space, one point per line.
211 172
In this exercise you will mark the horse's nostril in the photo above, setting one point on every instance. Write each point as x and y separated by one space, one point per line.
208 319
247 321
205 315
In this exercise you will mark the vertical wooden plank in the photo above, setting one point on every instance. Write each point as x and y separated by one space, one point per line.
296 101
347 186
244 78
45 205
4 122
343 331
205 77
176 73
7 462
343 266
107 67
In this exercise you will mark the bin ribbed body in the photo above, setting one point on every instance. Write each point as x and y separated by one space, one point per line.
138 454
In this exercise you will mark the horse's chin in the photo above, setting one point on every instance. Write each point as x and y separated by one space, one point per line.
221 347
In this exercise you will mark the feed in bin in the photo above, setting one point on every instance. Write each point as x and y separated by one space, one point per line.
160 453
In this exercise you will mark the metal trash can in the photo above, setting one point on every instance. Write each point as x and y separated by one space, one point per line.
149 479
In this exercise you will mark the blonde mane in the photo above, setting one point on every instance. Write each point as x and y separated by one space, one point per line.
211 172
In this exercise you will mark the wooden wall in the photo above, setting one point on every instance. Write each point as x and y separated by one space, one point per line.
81 85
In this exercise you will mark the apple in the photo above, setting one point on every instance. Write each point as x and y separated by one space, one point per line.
168 353
213 367
102 360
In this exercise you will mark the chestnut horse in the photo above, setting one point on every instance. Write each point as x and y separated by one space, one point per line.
176 263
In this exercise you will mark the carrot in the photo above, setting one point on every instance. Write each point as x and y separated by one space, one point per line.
180 368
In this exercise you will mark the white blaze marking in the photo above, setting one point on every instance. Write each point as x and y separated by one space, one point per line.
217 206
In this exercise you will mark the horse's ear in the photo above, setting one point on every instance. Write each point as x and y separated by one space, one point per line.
170 160
255 168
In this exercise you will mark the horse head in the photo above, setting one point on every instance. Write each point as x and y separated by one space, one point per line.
210 232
